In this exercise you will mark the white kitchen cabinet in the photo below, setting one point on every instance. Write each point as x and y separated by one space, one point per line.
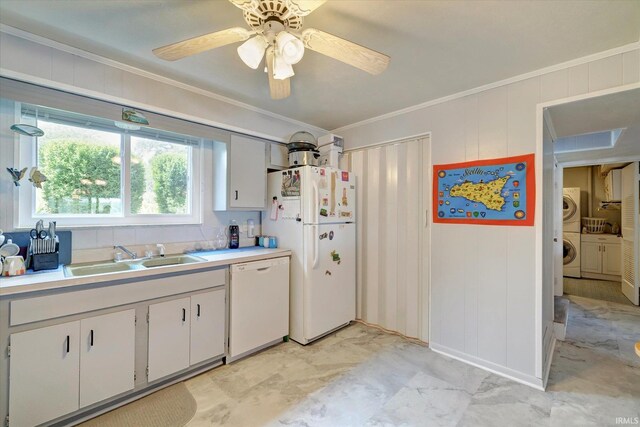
44 374
207 326
69 366
185 331
240 174
107 356
169 326
600 256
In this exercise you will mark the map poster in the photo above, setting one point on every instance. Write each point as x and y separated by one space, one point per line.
489 192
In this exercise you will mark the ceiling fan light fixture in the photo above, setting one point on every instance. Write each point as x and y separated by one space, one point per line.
252 51
281 69
289 47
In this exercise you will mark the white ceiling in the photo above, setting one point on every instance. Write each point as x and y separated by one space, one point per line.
437 48
602 113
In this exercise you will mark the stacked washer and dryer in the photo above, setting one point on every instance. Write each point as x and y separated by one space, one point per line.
571 232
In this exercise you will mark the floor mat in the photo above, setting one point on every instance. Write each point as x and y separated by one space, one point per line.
170 407
603 290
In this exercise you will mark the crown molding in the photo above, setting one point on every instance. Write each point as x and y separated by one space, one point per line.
153 76
536 73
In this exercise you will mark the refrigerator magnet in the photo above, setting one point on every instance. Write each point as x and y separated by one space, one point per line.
335 257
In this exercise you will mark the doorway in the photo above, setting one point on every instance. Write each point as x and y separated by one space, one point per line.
393 187
592 242
591 153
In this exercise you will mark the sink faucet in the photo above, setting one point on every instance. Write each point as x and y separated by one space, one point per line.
160 247
133 255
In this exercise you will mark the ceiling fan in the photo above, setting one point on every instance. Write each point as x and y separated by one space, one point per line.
276 29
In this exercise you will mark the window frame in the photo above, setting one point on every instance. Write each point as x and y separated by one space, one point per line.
26 148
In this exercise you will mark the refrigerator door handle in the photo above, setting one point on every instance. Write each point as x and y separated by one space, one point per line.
315 202
315 246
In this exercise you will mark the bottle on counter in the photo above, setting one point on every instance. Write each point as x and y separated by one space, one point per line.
234 235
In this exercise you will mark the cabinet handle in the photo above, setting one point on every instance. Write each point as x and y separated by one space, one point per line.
236 194
68 343
184 315
604 249
91 338
198 310
599 248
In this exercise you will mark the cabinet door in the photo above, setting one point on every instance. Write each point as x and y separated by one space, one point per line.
107 356
247 173
278 156
44 374
207 325
591 257
611 259
168 337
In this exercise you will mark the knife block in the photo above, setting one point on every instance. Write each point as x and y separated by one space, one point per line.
45 261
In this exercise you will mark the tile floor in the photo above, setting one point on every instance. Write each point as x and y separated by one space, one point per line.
360 376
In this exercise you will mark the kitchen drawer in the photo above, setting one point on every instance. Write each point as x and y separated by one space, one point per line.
34 309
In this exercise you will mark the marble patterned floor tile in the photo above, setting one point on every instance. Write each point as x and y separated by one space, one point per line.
511 403
584 410
606 375
360 376
425 400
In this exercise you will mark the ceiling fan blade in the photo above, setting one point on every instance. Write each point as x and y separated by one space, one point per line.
343 50
302 7
279 89
199 44
246 5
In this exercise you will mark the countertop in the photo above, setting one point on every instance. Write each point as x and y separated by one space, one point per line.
55 279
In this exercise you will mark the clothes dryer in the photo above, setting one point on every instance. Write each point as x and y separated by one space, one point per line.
571 210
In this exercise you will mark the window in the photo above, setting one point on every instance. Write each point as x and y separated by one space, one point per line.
100 174
83 169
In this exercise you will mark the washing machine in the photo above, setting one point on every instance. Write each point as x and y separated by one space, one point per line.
571 210
571 254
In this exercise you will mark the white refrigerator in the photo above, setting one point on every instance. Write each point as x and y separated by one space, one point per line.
312 212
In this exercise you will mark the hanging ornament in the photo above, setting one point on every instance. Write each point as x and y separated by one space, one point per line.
36 177
16 175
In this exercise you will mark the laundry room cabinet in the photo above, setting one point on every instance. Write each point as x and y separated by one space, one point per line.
600 257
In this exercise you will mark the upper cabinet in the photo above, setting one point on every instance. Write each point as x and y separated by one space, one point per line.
240 174
278 156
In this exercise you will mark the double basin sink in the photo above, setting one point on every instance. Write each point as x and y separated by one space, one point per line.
141 264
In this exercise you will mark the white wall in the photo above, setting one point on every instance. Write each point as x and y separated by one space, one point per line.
53 65
483 282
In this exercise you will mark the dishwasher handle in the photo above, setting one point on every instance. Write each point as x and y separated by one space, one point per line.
259 266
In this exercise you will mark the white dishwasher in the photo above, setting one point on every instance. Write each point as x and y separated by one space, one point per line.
259 305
